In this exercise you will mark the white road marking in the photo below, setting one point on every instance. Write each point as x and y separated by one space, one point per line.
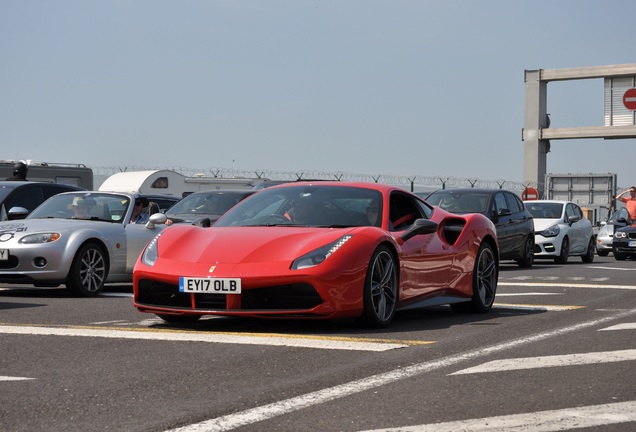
550 361
318 342
565 285
624 326
10 378
552 308
108 294
254 415
612 268
542 421
534 294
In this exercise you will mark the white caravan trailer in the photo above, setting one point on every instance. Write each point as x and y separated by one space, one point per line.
166 182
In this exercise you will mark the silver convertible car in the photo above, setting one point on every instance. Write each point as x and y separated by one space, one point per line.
80 239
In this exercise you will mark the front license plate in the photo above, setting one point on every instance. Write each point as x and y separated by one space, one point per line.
632 243
4 254
210 285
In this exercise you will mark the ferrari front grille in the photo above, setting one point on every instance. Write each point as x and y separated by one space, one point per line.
278 297
294 296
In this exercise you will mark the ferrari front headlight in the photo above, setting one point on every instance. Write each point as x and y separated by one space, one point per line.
319 255
49 237
151 252
553 231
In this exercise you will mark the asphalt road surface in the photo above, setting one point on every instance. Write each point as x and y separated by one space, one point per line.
556 352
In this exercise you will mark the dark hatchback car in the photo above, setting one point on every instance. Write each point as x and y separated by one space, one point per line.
624 243
19 198
514 223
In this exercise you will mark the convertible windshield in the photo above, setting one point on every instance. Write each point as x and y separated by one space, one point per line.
313 206
83 205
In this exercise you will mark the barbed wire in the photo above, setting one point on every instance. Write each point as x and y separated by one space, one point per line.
413 182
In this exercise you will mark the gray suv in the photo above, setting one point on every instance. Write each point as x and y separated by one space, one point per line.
24 196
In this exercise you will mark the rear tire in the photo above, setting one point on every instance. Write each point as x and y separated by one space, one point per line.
589 254
527 259
485 277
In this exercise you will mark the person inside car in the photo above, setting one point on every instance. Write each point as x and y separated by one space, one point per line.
82 207
301 211
139 215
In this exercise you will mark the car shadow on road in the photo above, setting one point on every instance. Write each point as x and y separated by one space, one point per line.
417 320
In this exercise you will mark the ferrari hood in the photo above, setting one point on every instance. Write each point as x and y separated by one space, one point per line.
244 244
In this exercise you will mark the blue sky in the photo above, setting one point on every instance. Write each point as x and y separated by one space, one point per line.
417 88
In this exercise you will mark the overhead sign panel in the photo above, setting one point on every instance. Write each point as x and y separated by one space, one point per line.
620 101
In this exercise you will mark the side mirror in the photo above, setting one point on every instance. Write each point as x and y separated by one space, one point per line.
420 226
621 220
574 219
16 213
504 212
156 219
203 223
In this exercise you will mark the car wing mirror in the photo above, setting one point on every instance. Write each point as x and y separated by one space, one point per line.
156 219
16 213
504 212
574 219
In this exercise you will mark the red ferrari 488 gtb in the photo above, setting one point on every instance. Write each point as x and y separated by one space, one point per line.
321 250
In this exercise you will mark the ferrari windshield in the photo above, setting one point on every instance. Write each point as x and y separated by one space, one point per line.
83 205
313 206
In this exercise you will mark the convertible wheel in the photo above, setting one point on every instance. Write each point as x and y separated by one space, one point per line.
527 259
179 319
380 289
565 251
589 254
485 277
88 271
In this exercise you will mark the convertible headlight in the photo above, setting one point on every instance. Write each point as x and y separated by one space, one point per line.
620 234
151 253
319 255
40 238
553 231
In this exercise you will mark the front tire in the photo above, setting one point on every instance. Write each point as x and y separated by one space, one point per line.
602 253
620 256
565 252
88 271
485 277
380 289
